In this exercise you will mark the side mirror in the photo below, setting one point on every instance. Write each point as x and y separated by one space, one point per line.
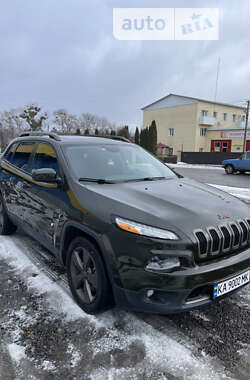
44 175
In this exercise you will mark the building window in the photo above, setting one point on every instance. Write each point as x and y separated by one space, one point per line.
201 150
203 132
234 118
224 116
224 146
170 151
242 117
215 114
204 113
171 132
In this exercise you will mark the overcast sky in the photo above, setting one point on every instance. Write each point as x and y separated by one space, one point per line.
62 54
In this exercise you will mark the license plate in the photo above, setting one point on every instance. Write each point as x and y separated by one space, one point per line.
231 284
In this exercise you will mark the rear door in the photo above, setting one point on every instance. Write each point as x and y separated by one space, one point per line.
16 166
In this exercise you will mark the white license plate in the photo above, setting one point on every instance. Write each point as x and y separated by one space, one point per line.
232 284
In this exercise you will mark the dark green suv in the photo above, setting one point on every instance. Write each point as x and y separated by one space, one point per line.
128 229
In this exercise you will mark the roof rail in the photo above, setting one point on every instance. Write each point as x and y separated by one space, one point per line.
120 138
50 134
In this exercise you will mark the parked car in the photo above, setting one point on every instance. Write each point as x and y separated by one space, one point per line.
241 164
128 230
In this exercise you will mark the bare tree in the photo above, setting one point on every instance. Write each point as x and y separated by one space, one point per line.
68 123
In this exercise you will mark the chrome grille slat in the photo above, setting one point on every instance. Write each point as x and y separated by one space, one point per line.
224 238
236 235
216 240
245 231
227 238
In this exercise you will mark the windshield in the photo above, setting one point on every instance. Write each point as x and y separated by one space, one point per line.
112 162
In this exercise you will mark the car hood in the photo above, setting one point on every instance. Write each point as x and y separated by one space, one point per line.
181 203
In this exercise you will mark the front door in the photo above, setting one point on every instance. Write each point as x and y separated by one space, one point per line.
248 145
44 215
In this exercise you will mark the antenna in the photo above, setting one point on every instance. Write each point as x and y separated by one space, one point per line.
216 83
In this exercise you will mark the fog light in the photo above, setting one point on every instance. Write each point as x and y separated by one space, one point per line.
150 293
164 264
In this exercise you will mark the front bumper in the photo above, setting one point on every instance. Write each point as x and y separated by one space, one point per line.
182 290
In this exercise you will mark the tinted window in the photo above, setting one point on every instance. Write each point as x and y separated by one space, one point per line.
114 162
45 157
9 154
22 156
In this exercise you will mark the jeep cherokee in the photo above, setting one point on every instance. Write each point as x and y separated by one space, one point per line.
128 229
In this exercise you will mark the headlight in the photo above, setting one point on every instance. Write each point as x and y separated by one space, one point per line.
142 229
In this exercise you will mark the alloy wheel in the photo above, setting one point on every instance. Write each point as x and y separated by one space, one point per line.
84 275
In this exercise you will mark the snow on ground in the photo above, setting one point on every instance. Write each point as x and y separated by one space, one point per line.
194 166
17 353
241 193
120 346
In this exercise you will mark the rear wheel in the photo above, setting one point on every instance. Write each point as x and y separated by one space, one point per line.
6 226
229 169
87 277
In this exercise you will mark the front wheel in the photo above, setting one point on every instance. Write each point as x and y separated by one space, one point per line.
6 226
87 277
229 169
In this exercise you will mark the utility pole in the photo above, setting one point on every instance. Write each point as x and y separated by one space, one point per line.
246 124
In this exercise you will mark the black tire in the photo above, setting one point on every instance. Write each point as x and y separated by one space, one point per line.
87 277
229 169
6 226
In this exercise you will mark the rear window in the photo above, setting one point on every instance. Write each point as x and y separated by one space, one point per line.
22 156
8 156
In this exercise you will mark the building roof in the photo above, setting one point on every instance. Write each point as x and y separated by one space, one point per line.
160 145
194 99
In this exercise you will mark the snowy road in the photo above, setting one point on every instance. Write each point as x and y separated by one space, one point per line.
44 335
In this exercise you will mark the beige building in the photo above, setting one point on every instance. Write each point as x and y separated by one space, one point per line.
196 125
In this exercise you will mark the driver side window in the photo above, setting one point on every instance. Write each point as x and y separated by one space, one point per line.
45 157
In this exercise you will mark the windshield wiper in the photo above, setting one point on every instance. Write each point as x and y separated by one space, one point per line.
145 179
96 180
152 178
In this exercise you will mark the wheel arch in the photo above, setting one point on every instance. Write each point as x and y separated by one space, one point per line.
230 164
72 230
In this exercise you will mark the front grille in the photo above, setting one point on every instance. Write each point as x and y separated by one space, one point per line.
225 238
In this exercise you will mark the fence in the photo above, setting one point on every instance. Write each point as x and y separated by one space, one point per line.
214 158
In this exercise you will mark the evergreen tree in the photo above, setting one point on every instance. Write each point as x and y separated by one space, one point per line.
78 132
137 136
154 137
96 132
113 132
86 132
124 131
